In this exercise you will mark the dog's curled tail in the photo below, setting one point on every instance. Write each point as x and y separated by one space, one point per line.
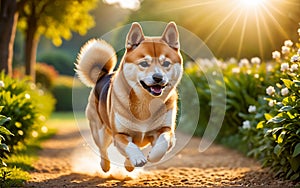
96 58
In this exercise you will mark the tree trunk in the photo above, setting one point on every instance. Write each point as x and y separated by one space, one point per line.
8 24
31 44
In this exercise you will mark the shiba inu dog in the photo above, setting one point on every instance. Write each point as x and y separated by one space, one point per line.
136 105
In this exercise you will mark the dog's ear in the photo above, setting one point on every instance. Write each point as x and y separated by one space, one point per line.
171 35
135 36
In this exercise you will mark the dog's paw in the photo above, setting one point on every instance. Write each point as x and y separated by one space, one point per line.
158 151
105 165
135 155
163 144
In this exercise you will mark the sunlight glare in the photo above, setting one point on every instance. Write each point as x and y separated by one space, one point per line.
251 3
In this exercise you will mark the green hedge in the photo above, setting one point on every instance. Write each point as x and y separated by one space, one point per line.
60 60
64 89
28 107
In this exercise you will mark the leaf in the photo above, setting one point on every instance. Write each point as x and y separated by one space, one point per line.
260 125
277 119
296 150
294 177
268 116
277 150
287 82
4 147
295 163
3 119
5 131
297 83
281 137
285 109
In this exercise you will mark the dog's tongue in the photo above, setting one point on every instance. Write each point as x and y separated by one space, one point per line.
156 89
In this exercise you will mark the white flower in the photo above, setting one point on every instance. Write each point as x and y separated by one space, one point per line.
246 124
255 60
34 134
252 108
284 91
294 67
276 55
44 129
236 70
1 84
232 60
270 90
285 50
298 51
189 65
295 58
244 62
256 75
27 96
272 103
269 67
288 43
284 66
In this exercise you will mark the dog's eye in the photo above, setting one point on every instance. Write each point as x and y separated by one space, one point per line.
144 64
166 63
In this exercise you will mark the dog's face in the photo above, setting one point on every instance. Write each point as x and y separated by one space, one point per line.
152 66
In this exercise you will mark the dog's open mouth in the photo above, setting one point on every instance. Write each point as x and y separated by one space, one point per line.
155 90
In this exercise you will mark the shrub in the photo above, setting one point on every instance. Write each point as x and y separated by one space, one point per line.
3 132
244 83
63 63
45 75
64 88
28 105
274 137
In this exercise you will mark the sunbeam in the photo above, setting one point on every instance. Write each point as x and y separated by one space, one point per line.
242 36
258 29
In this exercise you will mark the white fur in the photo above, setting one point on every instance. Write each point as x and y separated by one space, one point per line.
162 58
135 155
162 145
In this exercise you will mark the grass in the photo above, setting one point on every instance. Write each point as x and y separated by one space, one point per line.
21 163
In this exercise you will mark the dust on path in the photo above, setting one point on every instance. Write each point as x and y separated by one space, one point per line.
216 167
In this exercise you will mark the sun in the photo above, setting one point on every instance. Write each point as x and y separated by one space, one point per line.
251 4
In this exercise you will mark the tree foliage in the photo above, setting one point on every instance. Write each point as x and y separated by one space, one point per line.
54 19
57 19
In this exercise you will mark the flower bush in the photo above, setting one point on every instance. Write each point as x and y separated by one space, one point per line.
45 75
262 107
244 80
27 105
274 134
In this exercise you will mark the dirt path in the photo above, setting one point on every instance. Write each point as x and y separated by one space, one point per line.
67 161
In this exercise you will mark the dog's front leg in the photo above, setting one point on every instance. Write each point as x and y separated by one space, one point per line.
131 151
163 144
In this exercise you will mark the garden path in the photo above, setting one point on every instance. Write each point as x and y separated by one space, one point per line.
67 161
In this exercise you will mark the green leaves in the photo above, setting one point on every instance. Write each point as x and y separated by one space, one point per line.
57 19
296 150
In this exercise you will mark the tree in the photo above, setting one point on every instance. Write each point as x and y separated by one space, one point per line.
55 19
8 22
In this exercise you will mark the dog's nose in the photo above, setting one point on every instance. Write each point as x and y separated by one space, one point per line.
157 77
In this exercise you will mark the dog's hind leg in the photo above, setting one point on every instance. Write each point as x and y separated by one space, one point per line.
100 134
105 139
